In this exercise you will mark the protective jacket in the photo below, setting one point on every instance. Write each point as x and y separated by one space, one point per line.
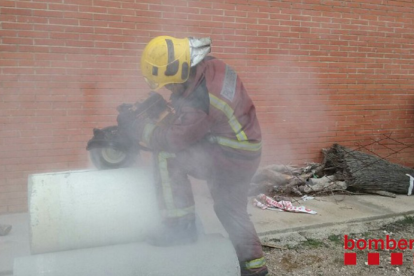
215 107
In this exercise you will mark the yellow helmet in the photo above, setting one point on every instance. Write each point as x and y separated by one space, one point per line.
166 60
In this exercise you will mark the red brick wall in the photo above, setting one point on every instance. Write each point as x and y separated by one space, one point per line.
319 71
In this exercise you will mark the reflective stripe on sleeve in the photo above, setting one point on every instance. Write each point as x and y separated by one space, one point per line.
228 89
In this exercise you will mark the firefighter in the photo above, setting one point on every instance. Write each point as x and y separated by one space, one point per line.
215 136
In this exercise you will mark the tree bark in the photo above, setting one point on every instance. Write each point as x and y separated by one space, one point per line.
367 172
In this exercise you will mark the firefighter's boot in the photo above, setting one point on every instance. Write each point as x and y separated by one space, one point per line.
175 232
254 268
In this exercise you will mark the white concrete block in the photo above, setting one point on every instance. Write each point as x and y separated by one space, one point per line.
81 209
210 256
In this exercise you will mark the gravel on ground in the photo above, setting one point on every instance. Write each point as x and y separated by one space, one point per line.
325 256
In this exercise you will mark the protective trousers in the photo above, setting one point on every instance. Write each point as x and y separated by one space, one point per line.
228 179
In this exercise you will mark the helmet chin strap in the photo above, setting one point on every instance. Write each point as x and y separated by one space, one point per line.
178 91
199 49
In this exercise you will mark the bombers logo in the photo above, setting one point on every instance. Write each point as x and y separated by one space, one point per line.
375 244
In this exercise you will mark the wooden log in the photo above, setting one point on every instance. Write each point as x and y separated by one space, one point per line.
284 179
321 181
273 246
326 186
368 172
289 170
382 193
269 175
262 187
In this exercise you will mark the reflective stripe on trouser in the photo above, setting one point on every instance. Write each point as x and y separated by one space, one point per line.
173 187
240 145
257 263
147 134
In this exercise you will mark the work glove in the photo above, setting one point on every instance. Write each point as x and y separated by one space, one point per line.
136 128
126 119
127 124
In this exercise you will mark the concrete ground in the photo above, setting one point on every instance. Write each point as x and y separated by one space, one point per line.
333 212
16 243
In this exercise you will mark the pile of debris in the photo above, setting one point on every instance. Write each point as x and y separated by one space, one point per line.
343 170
